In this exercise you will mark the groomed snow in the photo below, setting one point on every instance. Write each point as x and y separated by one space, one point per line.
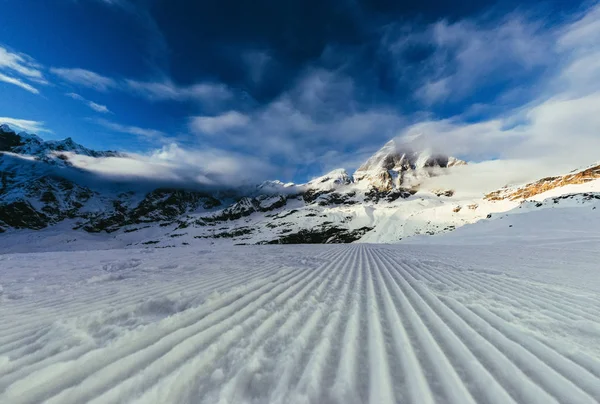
302 324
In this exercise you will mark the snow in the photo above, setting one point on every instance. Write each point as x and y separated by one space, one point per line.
551 218
411 323
503 309
329 181
398 164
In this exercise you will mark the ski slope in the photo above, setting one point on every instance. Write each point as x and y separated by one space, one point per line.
298 324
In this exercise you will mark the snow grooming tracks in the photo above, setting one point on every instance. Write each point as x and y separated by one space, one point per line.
349 324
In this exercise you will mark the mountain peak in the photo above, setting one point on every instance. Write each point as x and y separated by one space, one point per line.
29 144
397 164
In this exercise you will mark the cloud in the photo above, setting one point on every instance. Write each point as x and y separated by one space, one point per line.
511 89
476 179
457 58
19 63
26 125
551 137
167 90
19 83
206 93
298 130
578 46
96 107
219 166
114 2
174 164
85 78
552 134
215 124
22 65
257 63
581 35
151 134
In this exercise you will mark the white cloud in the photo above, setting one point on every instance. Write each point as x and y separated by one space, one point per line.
553 134
26 125
96 107
220 166
131 166
22 65
582 34
556 137
174 164
167 90
487 176
215 124
579 49
552 137
19 83
467 54
85 78
434 91
300 128
152 134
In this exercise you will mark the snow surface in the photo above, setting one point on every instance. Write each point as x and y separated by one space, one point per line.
508 323
553 218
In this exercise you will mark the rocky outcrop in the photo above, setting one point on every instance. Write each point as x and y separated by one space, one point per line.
160 205
322 235
545 184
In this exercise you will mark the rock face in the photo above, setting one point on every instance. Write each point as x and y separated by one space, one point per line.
397 166
546 184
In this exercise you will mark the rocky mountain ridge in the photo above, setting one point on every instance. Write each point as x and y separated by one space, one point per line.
24 143
546 184
384 201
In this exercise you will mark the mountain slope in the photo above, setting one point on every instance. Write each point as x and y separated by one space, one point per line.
42 186
46 195
582 176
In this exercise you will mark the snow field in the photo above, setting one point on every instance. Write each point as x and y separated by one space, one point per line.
311 324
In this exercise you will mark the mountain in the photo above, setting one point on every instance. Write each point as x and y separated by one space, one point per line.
559 216
31 145
398 166
45 197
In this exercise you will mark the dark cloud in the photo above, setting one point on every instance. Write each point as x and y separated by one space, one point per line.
236 42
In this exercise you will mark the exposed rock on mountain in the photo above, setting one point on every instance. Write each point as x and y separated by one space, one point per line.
398 166
546 184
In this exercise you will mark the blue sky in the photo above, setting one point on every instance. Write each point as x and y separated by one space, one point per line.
294 88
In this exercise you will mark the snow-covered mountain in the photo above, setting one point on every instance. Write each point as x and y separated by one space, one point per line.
43 196
398 166
31 145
